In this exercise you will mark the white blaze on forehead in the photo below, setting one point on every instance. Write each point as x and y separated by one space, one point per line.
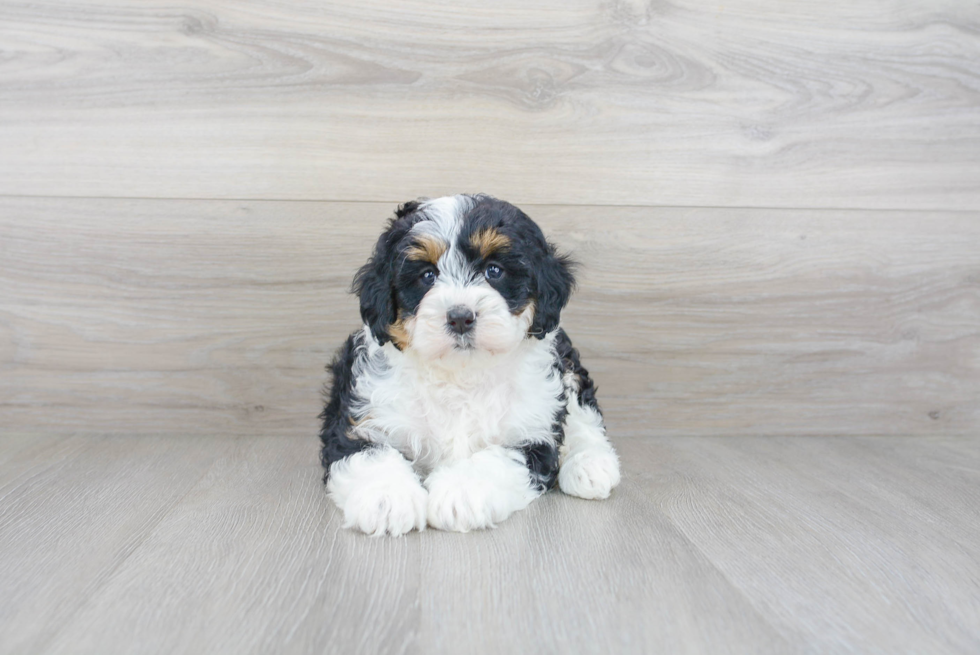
445 217
445 221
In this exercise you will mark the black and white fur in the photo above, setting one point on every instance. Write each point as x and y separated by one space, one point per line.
461 399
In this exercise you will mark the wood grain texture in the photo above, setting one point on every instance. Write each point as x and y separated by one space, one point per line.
256 561
578 576
748 103
711 545
875 523
71 511
217 317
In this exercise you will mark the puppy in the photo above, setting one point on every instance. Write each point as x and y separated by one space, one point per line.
460 400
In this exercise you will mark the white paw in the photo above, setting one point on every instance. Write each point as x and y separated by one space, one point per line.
589 473
394 510
459 506
480 491
378 492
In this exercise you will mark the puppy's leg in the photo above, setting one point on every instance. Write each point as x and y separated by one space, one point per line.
589 466
372 483
481 490
378 491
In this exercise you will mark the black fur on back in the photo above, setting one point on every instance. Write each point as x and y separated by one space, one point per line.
336 415
569 358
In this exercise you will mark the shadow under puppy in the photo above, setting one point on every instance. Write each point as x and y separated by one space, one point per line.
460 400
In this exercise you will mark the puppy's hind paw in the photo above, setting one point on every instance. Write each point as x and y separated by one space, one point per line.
590 474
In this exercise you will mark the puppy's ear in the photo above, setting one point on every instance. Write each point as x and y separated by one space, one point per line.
554 281
407 208
374 283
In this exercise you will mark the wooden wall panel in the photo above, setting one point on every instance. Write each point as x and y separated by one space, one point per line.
745 103
125 316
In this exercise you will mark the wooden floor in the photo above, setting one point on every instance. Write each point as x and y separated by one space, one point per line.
752 545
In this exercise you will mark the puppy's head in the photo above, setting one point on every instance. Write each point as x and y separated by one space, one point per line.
462 275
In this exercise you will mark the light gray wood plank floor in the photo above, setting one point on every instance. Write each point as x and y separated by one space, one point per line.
117 544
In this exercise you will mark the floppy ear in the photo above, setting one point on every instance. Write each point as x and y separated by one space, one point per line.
554 280
407 208
373 285
374 282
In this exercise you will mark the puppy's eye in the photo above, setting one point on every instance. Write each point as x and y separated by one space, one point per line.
493 272
429 276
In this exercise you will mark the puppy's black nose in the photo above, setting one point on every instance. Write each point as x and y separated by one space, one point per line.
460 319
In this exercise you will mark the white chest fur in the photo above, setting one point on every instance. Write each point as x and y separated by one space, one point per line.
441 412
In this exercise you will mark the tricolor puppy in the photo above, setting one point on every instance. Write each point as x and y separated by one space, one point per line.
460 400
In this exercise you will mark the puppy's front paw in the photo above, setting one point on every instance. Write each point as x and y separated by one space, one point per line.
589 474
379 493
459 506
394 510
478 492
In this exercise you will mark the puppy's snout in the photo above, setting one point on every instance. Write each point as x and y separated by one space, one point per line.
460 319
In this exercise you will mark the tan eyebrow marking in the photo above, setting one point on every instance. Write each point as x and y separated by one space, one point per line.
488 241
427 249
